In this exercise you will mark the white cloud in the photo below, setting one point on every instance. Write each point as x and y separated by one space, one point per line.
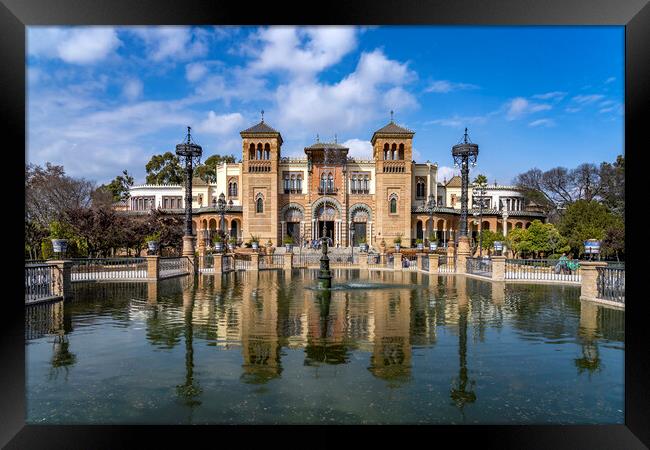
221 124
177 42
572 109
519 107
301 51
445 172
359 149
444 86
542 122
610 80
76 45
458 121
132 89
587 99
555 95
195 71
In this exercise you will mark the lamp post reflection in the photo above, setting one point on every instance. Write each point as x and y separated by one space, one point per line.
325 336
189 391
461 391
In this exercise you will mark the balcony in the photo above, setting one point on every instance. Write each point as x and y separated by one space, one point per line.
360 191
396 166
327 190
259 166
293 191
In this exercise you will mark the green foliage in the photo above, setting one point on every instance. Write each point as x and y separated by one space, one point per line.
287 240
613 244
612 178
398 239
155 236
232 240
480 180
164 169
418 241
489 237
61 230
208 170
254 238
119 187
217 238
584 220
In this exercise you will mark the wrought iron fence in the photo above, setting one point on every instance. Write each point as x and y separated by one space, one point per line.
389 261
446 264
306 260
374 260
93 269
174 266
611 284
40 282
42 319
271 261
242 262
543 269
409 262
227 263
479 266
343 260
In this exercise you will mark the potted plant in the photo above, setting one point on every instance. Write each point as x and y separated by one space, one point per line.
269 247
152 241
419 244
362 244
288 243
398 242
218 243
58 234
231 243
255 242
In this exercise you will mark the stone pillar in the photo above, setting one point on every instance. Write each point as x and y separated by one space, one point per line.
288 261
588 287
201 257
218 263
463 253
498 268
153 267
152 292
382 259
63 277
433 262
255 261
397 261
498 292
188 252
363 261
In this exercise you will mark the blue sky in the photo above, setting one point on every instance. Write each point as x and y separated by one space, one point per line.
104 99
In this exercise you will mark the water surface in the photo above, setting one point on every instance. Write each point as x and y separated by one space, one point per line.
383 347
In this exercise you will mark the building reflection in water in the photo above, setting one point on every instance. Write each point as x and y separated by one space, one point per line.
590 360
190 390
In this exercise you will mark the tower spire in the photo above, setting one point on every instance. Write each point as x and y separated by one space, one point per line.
391 116
262 116
317 138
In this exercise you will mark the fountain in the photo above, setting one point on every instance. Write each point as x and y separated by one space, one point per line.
325 275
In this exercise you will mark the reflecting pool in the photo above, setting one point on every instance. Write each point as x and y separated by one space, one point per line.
383 347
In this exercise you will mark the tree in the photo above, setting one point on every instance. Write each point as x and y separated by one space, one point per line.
489 237
586 181
120 186
613 243
518 241
164 169
584 220
612 178
481 180
170 227
208 170
101 197
49 192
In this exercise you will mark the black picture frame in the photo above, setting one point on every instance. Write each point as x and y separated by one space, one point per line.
15 15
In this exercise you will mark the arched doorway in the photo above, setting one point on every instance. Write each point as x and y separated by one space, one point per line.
292 215
234 228
419 231
326 213
360 216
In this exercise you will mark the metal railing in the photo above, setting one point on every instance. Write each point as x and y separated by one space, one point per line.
389 262
227 263
174 266
271 261
306 260
93 269
40 282
611 284
479 266
543 269
446 264
242 262
374 260
343 260
409 262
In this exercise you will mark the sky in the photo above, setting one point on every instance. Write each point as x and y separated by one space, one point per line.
104 99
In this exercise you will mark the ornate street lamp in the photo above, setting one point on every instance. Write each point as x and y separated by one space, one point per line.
191 154
464 154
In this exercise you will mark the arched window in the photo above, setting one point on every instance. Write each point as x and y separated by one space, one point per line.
259 151
259 205
400 154
365 183
323 181
354 183
286 183
267 151
330 182
299 183
251 151
393 206
234 189
393 151
293 182
385 151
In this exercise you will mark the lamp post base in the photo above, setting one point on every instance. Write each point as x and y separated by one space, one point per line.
188 246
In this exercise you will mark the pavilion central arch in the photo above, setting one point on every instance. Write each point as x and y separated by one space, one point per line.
360 221
292 221
327 220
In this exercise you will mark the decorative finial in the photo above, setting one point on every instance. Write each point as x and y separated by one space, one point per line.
262 116
391 116
335 141
188 134
465 135
317 138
